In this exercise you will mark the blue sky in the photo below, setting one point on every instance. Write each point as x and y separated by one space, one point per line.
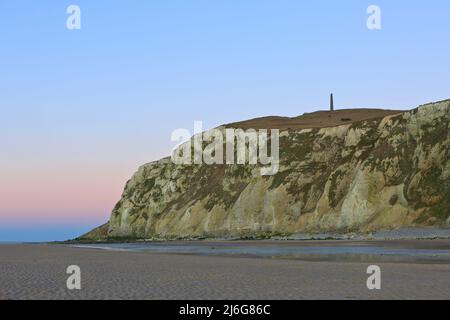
82 109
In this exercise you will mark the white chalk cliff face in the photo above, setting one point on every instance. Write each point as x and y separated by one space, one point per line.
365 176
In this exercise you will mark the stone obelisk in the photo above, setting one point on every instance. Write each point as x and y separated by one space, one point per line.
331 103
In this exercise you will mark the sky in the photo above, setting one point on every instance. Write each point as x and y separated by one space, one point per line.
81 110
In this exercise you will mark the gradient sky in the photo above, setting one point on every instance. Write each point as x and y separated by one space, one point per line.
81 110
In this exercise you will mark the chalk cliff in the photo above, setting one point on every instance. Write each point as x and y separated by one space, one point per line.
369 173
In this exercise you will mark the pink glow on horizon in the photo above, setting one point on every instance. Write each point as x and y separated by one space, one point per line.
52 195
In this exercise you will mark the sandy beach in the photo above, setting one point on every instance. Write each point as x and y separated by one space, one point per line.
39 272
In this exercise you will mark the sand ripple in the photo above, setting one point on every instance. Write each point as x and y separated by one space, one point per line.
38 272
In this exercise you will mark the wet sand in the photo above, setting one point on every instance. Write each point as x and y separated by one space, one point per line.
408 251
39 272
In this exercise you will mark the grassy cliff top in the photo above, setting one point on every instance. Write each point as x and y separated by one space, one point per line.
319 119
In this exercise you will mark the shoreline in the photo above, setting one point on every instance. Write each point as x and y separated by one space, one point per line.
399 234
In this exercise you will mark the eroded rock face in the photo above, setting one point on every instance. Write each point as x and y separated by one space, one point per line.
367 176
